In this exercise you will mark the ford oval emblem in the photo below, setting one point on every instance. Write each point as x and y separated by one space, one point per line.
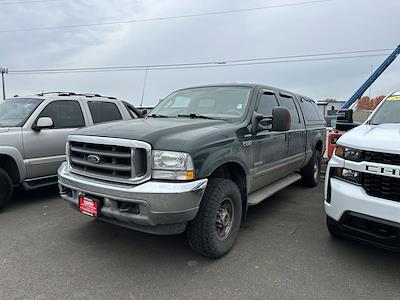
93 159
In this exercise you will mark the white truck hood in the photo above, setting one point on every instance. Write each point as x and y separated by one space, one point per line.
379 138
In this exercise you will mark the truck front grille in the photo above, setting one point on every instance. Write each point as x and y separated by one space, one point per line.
382 158
109 159
382 186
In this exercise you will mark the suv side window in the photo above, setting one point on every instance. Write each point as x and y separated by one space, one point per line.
104 111
267 103
64 113
288 102
133 112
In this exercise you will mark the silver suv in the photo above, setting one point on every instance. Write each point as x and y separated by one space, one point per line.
34 131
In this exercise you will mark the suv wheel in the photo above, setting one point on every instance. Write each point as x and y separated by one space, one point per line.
311 172
5 188
214 230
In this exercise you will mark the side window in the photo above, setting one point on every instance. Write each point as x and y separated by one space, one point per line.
320 115
267 103
104 112
288 102
309 111
64 113
131 110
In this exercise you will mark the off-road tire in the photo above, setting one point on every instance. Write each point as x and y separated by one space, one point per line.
202 232
5 188
309 175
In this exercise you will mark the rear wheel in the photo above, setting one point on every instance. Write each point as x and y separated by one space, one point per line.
5 188
311 172
214 230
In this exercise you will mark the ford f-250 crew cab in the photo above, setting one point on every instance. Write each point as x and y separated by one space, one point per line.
196 163
362 187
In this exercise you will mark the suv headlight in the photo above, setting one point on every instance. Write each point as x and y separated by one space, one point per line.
349 153
172 165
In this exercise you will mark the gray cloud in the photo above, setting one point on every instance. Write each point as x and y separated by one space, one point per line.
324 27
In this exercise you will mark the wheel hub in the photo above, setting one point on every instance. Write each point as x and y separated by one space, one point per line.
224 219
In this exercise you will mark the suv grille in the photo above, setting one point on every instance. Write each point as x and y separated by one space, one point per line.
382 186
383 158
109 161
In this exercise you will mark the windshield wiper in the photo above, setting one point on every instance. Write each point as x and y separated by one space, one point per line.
157 116
195 116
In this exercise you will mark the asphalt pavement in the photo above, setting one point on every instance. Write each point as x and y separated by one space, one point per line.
49 251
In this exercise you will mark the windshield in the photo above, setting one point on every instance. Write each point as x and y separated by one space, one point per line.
15 112
388 111
206 102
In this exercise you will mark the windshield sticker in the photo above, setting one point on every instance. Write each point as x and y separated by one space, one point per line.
394 98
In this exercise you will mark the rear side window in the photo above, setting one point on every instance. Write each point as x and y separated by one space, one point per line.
311 111
288 102
104 112
64 113
267 103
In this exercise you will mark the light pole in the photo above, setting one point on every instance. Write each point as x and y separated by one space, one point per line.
3 71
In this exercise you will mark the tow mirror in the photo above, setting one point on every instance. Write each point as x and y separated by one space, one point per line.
264 123
43 123
345 120
281 119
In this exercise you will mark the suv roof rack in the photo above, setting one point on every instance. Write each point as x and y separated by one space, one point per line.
76 94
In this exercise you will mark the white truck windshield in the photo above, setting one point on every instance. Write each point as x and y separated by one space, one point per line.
388 111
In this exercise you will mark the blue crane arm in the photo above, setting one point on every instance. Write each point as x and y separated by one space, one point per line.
358 94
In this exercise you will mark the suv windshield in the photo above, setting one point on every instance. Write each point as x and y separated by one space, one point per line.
15 112
388 111
205 102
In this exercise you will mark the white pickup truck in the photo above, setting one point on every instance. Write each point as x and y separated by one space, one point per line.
362 187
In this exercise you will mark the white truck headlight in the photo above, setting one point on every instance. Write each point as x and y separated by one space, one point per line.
349 153
172 165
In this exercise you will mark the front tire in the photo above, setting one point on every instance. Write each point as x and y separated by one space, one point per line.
5 188
310 174
214 230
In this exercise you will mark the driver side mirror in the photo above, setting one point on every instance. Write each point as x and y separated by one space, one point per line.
279 121
143 112
43 123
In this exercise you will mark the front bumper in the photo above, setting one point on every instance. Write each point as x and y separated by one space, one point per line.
353 213
162 207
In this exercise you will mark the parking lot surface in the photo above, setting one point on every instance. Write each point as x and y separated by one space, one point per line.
49 251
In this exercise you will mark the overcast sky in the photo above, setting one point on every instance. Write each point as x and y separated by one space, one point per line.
334 26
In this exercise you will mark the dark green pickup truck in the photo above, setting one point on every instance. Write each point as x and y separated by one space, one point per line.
196 163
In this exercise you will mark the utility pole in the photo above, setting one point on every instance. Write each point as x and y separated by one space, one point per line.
144 86
3 71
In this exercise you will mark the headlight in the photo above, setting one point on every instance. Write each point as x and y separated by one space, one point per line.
349 153
347 175
172 165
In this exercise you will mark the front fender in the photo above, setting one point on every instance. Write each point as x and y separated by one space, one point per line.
17 157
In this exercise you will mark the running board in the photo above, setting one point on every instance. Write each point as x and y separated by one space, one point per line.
264 193
32 184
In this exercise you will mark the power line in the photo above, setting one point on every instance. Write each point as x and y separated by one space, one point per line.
26 2
232 63
215 62
222 12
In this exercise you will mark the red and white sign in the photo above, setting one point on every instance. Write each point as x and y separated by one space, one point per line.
88 206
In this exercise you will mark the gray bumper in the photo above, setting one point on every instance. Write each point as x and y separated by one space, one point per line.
163 207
